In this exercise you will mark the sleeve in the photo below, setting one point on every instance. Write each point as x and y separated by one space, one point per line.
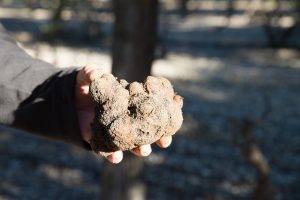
35 96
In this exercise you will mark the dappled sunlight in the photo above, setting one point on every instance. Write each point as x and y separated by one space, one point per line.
155 158
217 58
286 21
266 58
24 37
223 4
289 56
62 56
184 66
66 176
10 189
5 138
211 95
25 13
40 14
206 94
241 189
212 21
31 166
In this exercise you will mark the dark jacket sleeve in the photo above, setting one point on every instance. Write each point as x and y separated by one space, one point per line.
35 96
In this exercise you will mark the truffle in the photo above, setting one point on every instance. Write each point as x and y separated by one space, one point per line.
132 114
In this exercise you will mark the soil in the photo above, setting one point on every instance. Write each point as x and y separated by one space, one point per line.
130 115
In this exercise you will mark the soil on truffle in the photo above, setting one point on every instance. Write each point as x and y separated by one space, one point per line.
133 114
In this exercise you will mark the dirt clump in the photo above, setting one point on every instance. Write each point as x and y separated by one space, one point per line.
132 114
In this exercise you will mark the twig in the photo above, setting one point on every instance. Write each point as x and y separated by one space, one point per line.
254 156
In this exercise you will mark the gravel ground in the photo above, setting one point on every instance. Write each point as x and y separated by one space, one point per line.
205 161
220 85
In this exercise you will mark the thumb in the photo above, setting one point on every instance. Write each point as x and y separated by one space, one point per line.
89 73
86 75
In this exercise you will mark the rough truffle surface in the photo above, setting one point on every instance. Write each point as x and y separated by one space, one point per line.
130 115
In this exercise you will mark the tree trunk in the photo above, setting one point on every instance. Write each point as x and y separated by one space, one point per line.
183 7
56 19
134 38
123 181
133 53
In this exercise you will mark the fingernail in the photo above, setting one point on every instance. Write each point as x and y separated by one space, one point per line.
145 150
115 158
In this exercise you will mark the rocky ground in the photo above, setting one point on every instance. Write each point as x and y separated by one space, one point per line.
223 76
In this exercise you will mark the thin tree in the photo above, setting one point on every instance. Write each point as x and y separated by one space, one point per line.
133 52
134 38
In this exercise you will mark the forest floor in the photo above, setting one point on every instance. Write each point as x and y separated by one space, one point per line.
224 76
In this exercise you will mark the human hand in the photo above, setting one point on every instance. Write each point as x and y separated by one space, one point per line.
85 113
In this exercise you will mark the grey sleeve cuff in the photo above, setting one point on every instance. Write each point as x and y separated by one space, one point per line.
50 111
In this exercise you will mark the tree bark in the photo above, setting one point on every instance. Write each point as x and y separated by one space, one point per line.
134 38
124 181
183 7
133 52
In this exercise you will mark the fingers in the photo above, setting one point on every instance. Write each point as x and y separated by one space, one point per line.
164 142
92 72
116 157
89 73
142 151
145 150
179 100
83 80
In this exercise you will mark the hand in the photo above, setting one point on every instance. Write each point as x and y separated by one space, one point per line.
85 113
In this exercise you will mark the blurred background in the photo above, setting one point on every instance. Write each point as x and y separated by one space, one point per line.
235 62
